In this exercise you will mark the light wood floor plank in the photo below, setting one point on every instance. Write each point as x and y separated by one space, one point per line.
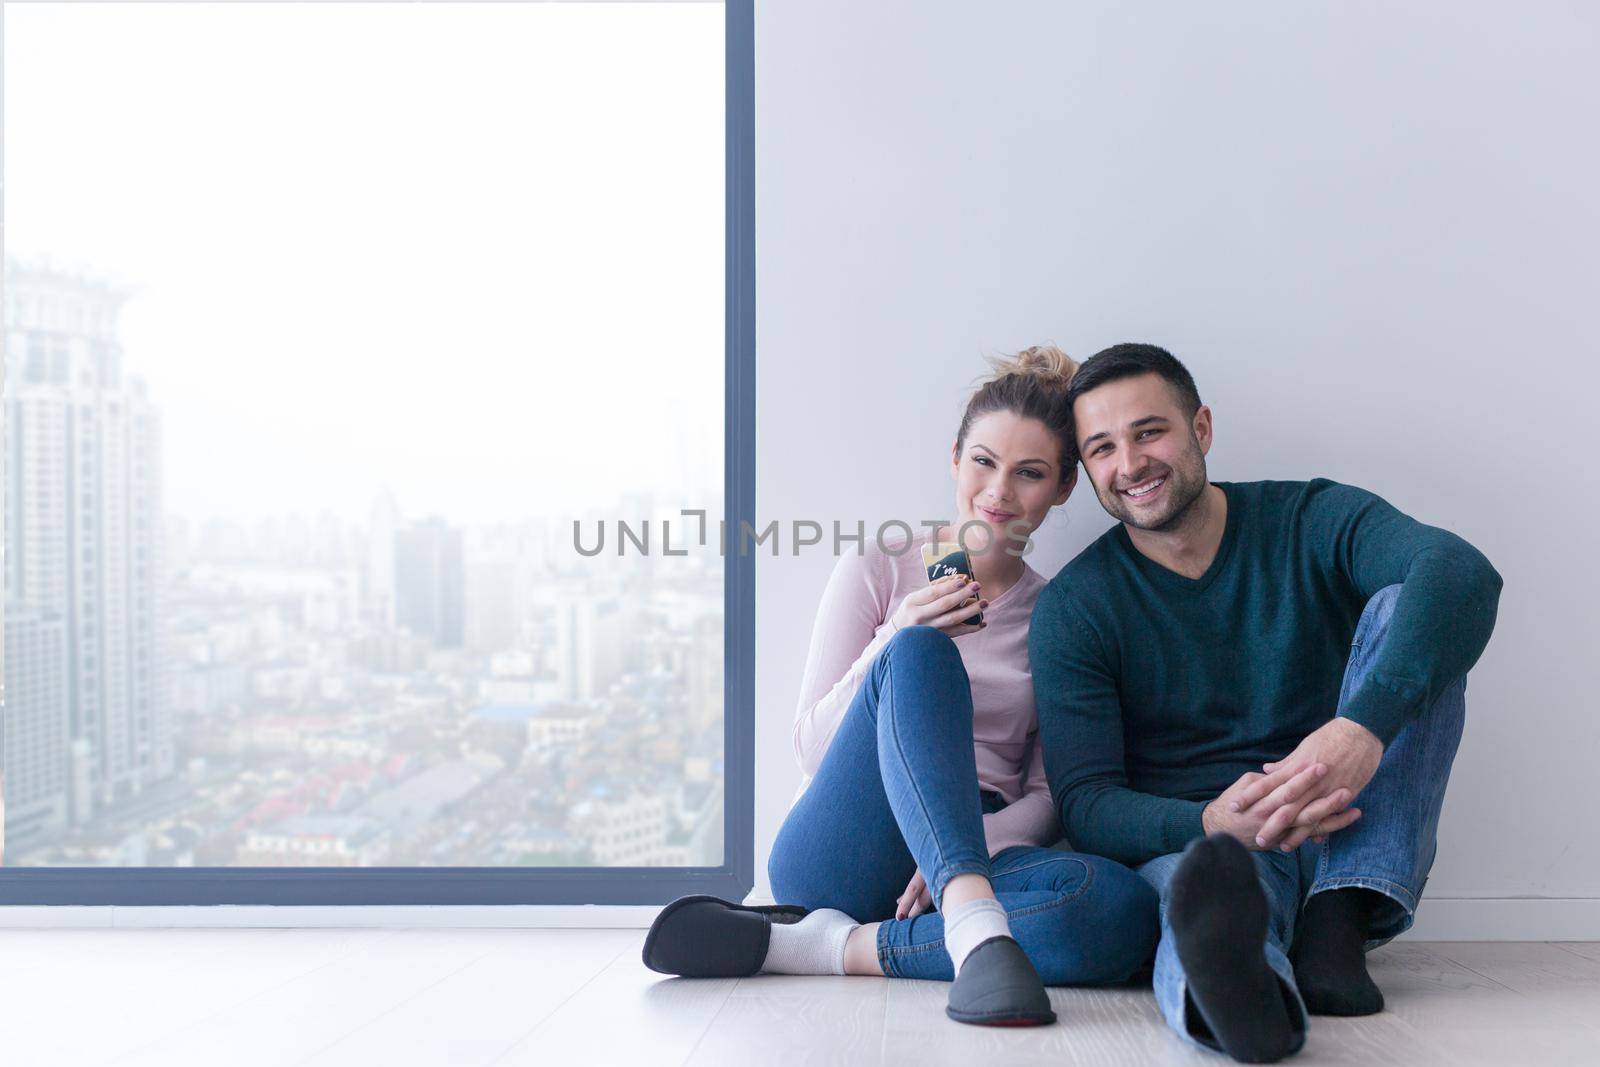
1589 950
475 1014
1111 1026
627 1014
86 996
1556 978
783 1020
292 1021
1440 1012
397 997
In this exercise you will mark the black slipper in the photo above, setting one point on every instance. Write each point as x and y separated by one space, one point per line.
707 937
998 986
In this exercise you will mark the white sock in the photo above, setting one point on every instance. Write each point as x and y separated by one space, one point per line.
966 926
814 945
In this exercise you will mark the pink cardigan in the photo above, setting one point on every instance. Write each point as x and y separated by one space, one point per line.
852 627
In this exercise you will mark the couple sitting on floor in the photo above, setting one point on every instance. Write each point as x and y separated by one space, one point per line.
1241 705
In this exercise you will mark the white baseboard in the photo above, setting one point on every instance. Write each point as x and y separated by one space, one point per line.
1439 918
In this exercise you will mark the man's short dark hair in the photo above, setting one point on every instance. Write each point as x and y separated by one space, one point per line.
1129 360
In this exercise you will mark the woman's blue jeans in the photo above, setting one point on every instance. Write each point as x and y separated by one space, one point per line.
898 791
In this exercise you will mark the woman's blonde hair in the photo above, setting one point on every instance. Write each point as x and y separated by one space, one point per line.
1031 384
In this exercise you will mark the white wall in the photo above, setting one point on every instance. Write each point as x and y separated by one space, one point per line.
1370 229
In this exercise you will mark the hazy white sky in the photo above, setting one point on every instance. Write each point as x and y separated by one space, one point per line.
471 250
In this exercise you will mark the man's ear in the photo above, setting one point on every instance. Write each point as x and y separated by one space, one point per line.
1202 428
1067 486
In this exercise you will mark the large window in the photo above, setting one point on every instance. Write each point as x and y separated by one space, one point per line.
338 338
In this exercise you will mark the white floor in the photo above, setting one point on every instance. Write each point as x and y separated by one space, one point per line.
458 997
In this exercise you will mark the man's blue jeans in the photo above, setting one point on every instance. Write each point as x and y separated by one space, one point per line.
898 791
1389 849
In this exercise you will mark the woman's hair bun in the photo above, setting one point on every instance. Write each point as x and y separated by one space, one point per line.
1050 366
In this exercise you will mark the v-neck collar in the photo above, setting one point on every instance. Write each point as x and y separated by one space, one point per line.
1171 578
1022 579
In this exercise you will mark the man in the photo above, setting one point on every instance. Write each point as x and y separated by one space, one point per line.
1253 692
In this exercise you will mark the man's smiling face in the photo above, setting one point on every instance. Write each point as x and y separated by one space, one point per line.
1143 452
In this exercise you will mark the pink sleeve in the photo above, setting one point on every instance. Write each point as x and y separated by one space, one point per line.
1032 819
844 642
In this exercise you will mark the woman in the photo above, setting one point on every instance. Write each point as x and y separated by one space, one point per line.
917 721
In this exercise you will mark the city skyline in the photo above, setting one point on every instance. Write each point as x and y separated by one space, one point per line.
290 437
395 697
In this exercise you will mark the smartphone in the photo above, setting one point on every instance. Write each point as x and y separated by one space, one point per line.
944 559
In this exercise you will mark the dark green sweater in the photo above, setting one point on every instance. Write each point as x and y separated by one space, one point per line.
1156 691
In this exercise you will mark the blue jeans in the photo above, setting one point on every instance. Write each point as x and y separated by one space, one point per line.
898 791
1390 849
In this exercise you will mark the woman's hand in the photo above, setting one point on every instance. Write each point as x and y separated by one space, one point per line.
915 900
945 605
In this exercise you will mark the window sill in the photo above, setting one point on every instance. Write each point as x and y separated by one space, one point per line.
506 916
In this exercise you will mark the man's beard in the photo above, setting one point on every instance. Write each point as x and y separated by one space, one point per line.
1184 485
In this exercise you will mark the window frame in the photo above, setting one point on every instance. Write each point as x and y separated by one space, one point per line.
314 886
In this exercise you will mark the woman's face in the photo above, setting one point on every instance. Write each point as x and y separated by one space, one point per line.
1008 477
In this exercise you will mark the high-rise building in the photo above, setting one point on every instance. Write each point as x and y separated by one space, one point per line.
84 523
704 666
377 586
430 581
591 636
493 604
37 785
